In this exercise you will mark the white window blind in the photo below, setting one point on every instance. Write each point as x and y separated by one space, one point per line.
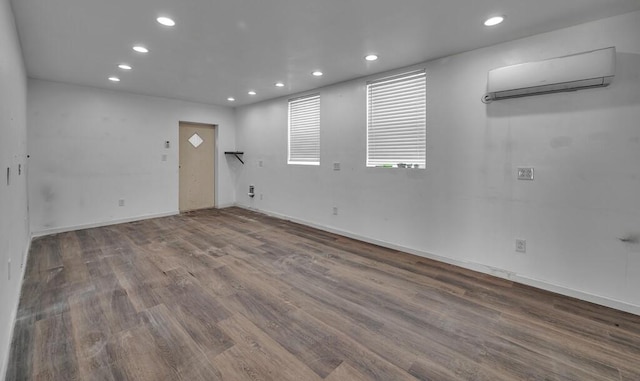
397 120
304 130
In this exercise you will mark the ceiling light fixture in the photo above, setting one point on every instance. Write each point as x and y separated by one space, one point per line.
279 84
114 79
125 67
140 49
317 73
371 57
252 92
492 21
166 21
231 99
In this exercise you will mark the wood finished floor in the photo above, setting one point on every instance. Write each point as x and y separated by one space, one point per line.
234 295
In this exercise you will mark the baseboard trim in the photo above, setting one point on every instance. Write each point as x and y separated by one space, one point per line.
14 312
65 229
497 272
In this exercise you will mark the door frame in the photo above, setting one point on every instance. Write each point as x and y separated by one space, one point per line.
215 161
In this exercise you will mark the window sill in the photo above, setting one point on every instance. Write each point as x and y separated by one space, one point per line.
395 167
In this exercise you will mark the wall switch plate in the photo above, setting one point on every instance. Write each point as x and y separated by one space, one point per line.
260 163
121 202
335 210
521 245
336 166
525 173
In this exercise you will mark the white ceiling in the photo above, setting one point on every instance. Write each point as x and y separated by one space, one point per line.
222 48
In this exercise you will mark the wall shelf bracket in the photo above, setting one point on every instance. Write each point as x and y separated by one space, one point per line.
236 154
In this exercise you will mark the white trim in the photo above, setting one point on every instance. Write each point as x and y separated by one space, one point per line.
65 229
500 273
14 312
100 224
226 205
316 163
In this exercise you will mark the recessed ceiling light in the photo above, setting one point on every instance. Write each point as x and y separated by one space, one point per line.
166 21
140 49
279 84
231 99
125 67
252 92
114 79
494 20
317 73
371 57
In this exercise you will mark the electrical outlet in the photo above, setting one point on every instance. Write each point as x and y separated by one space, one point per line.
164 158
525 173
260 163
335 210
336 166
121 202
521 245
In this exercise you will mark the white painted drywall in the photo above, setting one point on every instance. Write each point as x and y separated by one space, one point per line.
91 148
14 224
467 207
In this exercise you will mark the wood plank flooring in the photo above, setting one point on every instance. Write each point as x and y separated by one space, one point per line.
235 295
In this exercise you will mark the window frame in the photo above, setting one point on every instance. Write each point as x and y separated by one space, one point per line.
399 78
289 128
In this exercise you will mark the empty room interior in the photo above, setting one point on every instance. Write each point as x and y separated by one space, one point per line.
320 190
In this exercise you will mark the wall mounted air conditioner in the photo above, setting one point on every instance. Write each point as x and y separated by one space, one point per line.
579 71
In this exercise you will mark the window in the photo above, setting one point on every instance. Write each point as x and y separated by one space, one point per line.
397 120
304 130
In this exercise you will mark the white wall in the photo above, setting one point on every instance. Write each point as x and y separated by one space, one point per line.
89 148
467 207
14 224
